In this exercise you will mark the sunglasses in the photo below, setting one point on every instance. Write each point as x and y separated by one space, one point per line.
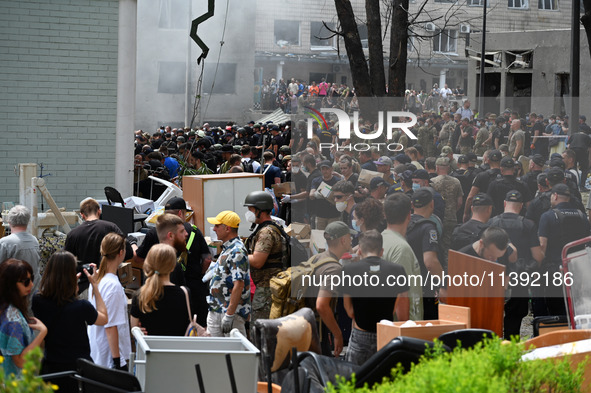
27 281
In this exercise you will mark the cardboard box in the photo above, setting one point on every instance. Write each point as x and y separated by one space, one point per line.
215 247
298 230
450 318
125 273
365 177
282 189
326 192
136 280
317 241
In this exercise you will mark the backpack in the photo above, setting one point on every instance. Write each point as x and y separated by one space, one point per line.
287 289
247 166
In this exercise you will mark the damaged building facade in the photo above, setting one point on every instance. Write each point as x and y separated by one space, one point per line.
529 71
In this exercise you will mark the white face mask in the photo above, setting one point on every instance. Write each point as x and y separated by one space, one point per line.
250 216
341 206
295 169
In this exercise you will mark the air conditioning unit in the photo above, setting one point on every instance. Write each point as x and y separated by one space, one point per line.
430 26
465 29
336 68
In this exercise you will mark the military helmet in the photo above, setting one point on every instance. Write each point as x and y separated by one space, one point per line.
260 200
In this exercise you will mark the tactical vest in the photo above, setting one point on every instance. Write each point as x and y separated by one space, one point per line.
274 260
571 225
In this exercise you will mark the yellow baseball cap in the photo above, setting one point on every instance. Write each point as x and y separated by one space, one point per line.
227 217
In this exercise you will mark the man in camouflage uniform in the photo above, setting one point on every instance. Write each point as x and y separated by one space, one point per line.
449 125
426 138
483 138
466 139
266 247
230 274
448 152
451 190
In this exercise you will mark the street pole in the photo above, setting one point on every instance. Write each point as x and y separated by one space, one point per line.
575 56
482 58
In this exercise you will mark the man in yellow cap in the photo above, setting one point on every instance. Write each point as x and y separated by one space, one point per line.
229 286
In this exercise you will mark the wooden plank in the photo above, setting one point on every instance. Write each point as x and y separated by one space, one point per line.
486 300
458 314
193 194
385 333
450 318
564 337
558 337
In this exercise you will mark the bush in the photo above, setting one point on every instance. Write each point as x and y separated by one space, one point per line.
490 366
28 382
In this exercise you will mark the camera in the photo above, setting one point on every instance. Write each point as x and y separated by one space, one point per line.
88 267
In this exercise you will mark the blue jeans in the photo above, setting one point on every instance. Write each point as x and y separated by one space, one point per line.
362 346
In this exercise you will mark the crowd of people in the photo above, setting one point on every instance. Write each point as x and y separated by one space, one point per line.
461 184
295 95
492 185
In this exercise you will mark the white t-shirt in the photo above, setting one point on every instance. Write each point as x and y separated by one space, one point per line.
445 92
114 297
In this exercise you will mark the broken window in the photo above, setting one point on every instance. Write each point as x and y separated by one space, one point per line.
521 4
445 41
318 31
362 29
551 5
520 59
173 14
221 76
287 33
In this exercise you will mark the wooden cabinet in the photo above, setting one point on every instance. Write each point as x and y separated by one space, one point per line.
208 195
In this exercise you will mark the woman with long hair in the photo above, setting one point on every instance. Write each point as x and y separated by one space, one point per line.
110 345
160 307
16 326
65 316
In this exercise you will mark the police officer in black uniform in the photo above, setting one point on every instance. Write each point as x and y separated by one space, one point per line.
541 203
470 231
536 165
422 236
523 235
500 187
569 178
558 226
483 179
472 161
466 177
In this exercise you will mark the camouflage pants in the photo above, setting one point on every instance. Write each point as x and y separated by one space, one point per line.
261 304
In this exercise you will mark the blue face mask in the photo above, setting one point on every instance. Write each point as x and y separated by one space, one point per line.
355 226
415 186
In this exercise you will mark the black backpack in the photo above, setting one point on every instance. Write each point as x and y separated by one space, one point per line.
247 166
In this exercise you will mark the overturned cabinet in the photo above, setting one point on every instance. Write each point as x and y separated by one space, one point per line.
209 195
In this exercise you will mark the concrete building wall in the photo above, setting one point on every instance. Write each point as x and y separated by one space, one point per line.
165 52
58 92
549 71
445 15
